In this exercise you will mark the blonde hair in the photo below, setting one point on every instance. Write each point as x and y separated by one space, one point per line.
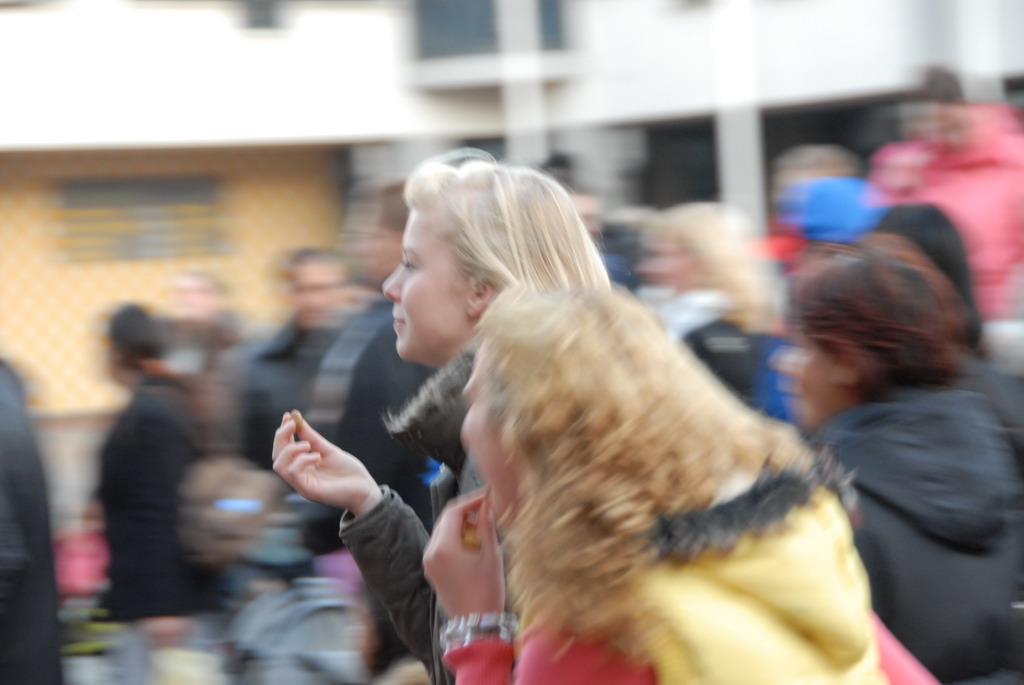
613 425
508 225
722 240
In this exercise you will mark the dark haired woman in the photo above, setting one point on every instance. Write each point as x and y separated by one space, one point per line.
934 234
879 334
937 237
142 463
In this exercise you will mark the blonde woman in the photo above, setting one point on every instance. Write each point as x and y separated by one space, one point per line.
658 531
474 230
714 294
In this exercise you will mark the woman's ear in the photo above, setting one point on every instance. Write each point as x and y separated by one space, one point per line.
479 298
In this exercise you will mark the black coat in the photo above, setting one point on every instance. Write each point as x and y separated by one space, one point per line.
935 480
380 382
732 355
278 377
383 382
29 629
388 541
1005 395
142 464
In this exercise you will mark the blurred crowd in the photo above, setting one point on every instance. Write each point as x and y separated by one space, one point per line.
697 449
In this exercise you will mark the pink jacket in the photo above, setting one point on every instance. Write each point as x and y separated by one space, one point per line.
546 659
982 191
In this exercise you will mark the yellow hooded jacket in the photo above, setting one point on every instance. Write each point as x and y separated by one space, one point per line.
788 606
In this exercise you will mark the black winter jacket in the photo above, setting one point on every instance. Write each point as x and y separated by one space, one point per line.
1005 395
388 541
732 355
379 382
29 630
142 464
277 377
935 481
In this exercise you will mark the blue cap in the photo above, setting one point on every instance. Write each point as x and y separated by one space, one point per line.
833 210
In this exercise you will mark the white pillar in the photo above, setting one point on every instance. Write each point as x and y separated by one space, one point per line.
522 91
978 59
737 117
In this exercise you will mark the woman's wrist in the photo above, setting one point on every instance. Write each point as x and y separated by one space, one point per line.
463 630
370 498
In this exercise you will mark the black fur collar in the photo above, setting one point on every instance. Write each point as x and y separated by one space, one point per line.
431 423
764 506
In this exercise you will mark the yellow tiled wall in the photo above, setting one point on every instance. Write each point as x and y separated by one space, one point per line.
52 310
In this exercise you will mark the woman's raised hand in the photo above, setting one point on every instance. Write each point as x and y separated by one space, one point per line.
321 471
467 571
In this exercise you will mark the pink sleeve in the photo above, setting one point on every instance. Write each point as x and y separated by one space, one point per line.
548 658
482 662
544 659
899 665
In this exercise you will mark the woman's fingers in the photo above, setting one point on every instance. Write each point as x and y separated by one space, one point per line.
286 459
447 530
451 528
287 432
320 471
442 530
473 514
319 442
467 578
303 474
303 461
298 467
485 526
284 435
467 503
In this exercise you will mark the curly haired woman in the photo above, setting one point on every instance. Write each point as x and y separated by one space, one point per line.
658 530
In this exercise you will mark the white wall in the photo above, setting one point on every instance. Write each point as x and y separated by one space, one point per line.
652 59
637 60
827 49
1011 13
108 73
80 73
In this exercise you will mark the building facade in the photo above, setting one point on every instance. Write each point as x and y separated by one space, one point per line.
259 116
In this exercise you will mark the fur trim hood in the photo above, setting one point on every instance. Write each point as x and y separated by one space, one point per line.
431 423
759 510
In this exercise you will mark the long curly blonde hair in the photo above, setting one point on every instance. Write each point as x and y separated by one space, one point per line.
612 425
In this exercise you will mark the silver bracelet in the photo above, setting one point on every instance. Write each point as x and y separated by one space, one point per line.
462 630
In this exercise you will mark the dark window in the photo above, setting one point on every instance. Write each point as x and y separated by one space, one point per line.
681 164
455 27
552 37
495 147
860 127
1015 91
450 28
262 14
140 219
